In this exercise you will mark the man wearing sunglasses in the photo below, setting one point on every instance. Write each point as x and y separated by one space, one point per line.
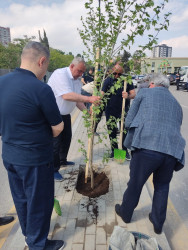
114 104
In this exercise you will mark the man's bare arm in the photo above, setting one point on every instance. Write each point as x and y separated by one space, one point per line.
81 106
74 97
130 95
82 80
57 129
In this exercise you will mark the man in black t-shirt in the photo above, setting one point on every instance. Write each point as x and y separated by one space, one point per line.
177 81
29 119
114 104
87 77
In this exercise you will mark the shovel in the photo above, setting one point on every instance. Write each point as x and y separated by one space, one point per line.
57 207
120 154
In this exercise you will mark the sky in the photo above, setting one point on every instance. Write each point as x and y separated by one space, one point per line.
61 18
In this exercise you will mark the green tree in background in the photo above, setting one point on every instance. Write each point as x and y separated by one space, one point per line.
21 42
136 58
125 59
44 40
10 55
58 60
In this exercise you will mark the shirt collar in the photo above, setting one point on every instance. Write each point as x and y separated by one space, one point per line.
25 71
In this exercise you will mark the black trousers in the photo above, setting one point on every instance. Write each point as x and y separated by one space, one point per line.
32 190
113 132
61 143
143 164
177 84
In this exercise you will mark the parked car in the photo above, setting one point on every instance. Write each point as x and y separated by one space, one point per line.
134 81
139 78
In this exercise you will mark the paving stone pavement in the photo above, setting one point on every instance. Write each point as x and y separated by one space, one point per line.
78 225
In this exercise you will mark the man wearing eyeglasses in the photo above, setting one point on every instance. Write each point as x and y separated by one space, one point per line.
114 104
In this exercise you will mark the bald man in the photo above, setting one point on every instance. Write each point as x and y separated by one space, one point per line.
29 119
114 104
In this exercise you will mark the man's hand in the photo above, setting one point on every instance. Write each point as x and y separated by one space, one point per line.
94 99
124 95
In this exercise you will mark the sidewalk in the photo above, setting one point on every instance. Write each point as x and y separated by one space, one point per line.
78 225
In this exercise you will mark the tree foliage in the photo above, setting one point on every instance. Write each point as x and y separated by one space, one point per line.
104 24
44 40
58 59
10 55
136 60
21 42
101 29
125 60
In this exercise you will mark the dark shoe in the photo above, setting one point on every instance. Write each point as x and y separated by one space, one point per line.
58 176
128 157
118 212
157 231
54 245
6 220
117 209
67 163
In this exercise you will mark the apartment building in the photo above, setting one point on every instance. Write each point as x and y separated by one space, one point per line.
162 51
5 36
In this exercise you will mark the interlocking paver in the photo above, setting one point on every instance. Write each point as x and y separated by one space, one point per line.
90 242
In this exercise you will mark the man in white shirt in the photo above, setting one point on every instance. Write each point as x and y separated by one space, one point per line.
66 85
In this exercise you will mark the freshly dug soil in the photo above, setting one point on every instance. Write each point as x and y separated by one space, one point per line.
101 185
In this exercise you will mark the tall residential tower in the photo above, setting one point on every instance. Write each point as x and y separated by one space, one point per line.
5 36
162 51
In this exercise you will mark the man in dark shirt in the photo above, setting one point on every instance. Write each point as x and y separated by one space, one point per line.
177 81
29 118
87 77
114 104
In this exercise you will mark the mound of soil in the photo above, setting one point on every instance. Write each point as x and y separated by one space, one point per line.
101 185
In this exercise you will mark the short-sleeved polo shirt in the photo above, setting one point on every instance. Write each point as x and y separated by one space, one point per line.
28 109
114 103
62 82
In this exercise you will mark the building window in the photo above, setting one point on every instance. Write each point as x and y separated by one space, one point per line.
169 70
153 65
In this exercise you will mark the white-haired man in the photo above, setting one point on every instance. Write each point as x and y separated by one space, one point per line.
66 85
157 147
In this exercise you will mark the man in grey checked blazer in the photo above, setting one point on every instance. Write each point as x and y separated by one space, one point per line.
154 120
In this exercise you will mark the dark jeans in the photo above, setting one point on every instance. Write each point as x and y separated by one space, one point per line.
85 93
142 165
32 190
177 85
61 143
